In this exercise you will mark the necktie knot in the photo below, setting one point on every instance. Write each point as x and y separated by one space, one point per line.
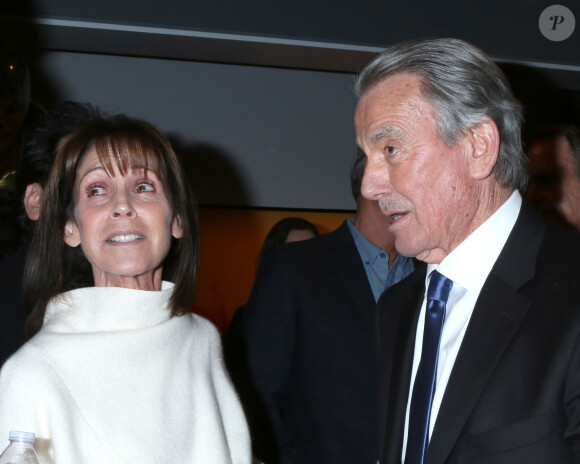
439 287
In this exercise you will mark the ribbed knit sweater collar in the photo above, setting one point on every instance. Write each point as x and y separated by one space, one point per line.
98 309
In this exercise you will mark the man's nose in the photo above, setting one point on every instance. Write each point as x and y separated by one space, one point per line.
376 180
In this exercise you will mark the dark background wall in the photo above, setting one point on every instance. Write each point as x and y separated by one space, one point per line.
505 29
248 135
257 95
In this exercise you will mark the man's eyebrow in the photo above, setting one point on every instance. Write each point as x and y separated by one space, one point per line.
385 131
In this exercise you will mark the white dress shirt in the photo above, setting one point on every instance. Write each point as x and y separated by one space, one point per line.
467 266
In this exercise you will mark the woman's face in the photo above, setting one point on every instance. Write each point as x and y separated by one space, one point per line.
296 235
124 224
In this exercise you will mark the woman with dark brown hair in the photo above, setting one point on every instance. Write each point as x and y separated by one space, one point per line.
118 369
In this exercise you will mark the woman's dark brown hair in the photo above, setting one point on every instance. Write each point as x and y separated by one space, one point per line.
52 267
279 233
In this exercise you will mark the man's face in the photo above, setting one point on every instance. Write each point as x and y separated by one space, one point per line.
554 180
419 181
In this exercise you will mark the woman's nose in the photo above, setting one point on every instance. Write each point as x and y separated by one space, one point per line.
122 206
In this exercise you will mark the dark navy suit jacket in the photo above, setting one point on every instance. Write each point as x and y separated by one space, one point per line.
514 392
307 340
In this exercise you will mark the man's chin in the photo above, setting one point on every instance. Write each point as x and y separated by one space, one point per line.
404 249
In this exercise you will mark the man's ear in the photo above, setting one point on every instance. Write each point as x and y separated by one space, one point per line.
72 236
176 230
485 141
33 200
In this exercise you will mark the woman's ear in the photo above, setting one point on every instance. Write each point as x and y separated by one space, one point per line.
176 230
485 142
33 200
72 236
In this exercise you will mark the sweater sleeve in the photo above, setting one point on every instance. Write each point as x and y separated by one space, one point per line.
21 405
232 416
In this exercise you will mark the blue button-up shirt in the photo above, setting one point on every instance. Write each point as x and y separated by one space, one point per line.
376 263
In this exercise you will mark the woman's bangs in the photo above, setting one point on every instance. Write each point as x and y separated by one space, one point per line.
128 153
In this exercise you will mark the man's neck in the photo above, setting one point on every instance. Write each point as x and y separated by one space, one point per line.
485 203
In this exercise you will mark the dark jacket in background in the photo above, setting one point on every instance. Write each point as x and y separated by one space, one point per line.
304 354
12 316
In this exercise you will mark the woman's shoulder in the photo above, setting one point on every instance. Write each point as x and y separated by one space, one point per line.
202 330
26 357
25 370
201 324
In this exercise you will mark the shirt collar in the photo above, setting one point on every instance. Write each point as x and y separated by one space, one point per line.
368 250
471 261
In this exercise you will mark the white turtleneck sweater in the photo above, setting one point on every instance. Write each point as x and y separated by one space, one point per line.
112 378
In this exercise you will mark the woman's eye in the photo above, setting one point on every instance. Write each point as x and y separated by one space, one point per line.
94 191
144 187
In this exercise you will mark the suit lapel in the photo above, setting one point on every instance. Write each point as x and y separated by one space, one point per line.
498 313
487 336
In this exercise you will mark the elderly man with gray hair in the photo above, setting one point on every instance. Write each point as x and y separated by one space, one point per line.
479 347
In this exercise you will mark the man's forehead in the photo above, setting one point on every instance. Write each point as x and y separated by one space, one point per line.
399 89
387 105
401 84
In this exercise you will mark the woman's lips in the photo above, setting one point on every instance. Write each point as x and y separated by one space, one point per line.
124 238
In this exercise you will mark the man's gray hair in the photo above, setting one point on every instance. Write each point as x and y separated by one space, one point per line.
463 85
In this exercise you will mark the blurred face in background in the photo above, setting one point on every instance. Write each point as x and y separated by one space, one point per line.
554 180
296 235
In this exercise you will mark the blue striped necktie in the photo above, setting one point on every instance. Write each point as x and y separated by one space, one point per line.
424 388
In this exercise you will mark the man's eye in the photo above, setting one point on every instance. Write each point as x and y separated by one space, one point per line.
95 191
144 187
391 150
